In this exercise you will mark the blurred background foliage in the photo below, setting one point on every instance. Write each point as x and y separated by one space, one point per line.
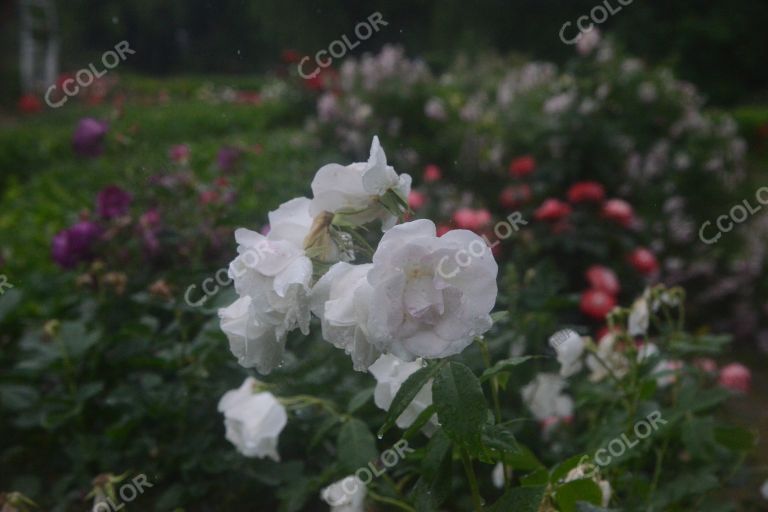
720 46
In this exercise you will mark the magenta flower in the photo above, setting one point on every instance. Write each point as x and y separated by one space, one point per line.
227 158
74 244
88 139
149 227
113 201
179 153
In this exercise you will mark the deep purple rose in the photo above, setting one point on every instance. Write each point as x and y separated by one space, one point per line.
73 245
113 201
227 158
88 139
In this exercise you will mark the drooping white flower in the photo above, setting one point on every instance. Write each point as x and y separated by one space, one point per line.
340 299
254 343
611 360
569 347
346 495
272 275
253 421
431 296
390 373
497 476
545 399
639 316
764 490
362 191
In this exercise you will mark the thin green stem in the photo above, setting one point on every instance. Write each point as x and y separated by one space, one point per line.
390 501
470 471
494 393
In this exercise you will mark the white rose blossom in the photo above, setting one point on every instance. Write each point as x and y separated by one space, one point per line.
426 300
390 373
340 299
610 360
545 399
346 495
362 191
639 316
569 347
272 276
253 421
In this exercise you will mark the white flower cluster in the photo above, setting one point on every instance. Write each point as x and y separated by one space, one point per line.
544 395
308 263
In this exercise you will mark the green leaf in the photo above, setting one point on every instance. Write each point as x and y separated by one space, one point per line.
434 485
356 445
460 403
359 400
568 494
8 302
499 316
500 443
519 499
17 397
322 431
735 438
504 365
538 477
75 339
407 393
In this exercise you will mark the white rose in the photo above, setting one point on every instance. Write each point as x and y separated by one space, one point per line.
358 190
639 316
431 296
611 360
545 399
253 421
346 495
253 343
497 476
390 373
569 347
340 299
272 275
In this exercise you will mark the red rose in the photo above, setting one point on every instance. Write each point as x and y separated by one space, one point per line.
30 104
736 377
619 211
603 278
432 173
416 199
552 210
596 303
473 220
522 166
515 196
586 191
289 56
442 229
643 261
